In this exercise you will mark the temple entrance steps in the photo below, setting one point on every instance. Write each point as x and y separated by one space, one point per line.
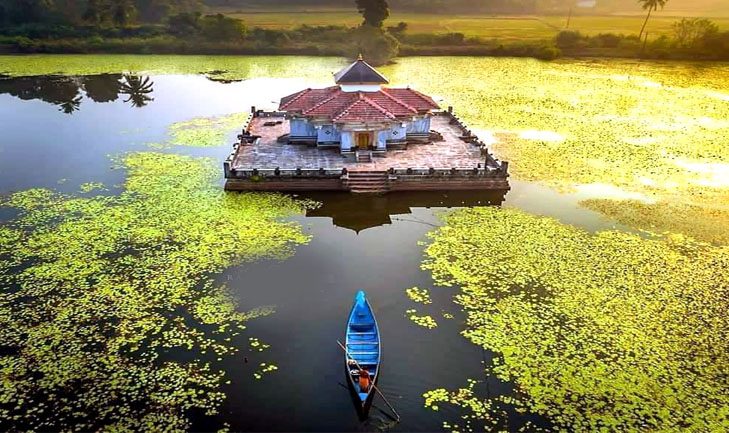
363 156
372 182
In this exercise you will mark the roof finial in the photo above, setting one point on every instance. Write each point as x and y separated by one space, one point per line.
359 57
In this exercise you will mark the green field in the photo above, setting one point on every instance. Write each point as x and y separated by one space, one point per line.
486 26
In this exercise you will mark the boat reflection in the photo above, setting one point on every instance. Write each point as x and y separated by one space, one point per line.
362 211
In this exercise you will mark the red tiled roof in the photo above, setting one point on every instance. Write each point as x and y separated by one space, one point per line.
364 110
340 106
412 97
306 98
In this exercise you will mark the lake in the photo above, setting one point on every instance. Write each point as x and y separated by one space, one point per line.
137 294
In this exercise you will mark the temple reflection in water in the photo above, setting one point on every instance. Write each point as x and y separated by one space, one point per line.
362 211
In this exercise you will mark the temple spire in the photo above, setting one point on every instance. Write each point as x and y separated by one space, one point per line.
360 76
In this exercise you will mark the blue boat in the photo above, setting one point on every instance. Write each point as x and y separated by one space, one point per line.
364 348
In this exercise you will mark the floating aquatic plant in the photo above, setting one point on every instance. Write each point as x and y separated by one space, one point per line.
598 332
419 295
222 68
704 223
92 186
659 129
205 131
257 345
98 293
424 321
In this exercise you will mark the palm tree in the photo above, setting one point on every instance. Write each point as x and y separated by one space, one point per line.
71 105
651 5
138 89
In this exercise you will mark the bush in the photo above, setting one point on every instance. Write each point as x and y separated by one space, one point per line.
184 24
270 37
608 40
569 39
433 39
221 28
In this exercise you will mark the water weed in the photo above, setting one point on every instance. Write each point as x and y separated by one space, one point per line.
597 331
99 293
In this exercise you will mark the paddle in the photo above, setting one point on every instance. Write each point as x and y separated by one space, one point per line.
346 352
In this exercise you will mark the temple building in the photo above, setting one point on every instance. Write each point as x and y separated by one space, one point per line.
359 113
364 137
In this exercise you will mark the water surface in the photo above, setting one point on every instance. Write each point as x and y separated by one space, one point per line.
59 132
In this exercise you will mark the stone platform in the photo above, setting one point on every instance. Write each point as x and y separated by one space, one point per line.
263 160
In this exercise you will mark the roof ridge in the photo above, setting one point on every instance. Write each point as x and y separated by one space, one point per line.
382 109
295 98
366 100
320 103
403 103
422 96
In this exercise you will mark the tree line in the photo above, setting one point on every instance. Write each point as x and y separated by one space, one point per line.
93 12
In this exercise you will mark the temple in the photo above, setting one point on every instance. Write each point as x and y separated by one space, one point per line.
358 113
361 136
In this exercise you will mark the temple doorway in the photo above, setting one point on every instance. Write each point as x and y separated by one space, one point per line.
363 140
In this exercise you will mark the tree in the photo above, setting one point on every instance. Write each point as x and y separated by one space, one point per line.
25 11
138 89
376 45
690 32
95 12
156 11
375 12
184 24
103 87
123 13
221 28
650 5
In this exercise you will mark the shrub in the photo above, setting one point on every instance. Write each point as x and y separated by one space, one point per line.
184 24
608 40
221 28
569 39
270 37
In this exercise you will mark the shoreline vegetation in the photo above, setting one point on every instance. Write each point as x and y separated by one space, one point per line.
339 40
136 27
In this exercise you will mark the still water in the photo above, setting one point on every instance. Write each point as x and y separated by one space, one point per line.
59 132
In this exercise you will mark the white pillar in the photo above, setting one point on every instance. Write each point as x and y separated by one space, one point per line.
346 141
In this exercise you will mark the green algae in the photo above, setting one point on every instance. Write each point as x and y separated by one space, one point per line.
655 128
92 186
205 131
97 293
421 296
424 321
598 332
704 223
222 68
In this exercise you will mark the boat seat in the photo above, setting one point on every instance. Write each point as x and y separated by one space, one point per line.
354 343
355 352
362 333
362 326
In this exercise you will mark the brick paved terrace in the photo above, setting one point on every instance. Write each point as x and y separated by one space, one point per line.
269 153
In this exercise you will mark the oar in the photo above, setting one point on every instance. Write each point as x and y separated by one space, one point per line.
346 352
